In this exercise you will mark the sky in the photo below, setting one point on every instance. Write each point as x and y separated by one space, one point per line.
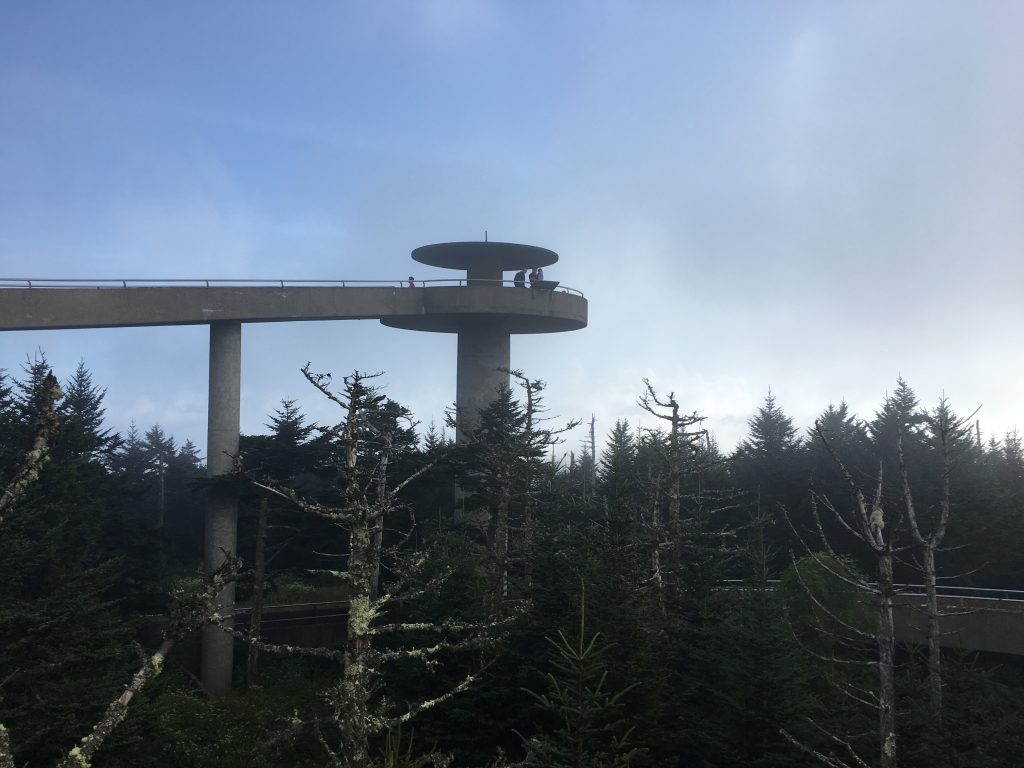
806 198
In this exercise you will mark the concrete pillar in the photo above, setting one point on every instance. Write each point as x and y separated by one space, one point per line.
483 349
484 272
223 420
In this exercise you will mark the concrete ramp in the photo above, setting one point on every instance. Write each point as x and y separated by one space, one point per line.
443 308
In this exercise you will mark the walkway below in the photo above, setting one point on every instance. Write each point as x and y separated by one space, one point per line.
988 624
972 623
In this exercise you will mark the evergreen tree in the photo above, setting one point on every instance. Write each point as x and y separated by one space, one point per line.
492 466
1005 553
82 415
188 455
849 437
768 466
9 417
899 417
900 414
591 732
433 440
768 454
64 646
618 483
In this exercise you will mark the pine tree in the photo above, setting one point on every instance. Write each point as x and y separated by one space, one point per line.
9 417
493 464
768 453
188 455
900 414
1006 462
433 440
850 437
618 482
593 731
82 415
64 646
768 465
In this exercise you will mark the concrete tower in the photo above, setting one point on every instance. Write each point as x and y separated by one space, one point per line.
489 314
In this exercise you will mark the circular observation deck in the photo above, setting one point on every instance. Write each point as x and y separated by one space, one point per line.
452 309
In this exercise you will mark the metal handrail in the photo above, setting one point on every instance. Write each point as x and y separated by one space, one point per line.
111 283
732 583
943 590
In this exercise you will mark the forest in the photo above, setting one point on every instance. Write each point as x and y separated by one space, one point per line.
641 599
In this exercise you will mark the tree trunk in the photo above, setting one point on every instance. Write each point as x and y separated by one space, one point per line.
258 590
377 531
934 634
352 707
501 538
886 663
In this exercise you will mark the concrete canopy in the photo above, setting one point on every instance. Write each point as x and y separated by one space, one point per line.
471 255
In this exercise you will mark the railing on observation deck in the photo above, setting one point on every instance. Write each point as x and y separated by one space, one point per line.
918 590
21 282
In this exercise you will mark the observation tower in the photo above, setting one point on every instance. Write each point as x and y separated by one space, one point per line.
486 315
482 308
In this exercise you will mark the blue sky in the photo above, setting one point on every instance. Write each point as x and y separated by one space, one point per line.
808 197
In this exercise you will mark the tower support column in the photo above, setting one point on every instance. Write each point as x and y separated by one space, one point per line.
484 349
221 533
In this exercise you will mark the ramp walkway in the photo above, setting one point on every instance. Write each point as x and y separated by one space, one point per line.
990 620
437 305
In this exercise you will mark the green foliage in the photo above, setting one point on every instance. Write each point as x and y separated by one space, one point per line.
64 645
397 752
822 606
710 674
770 447
175 725
618 472
982 725
592 732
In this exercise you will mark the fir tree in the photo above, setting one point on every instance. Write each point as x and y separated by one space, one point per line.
82 413
64 647
768 465
618 482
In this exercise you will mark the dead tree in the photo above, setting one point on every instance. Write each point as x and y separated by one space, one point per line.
44 428
947 429
680 445
866 522
362 502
